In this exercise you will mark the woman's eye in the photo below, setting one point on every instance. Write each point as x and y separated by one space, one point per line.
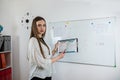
44 25
39 25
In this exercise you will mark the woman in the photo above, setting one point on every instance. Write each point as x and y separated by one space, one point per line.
39 53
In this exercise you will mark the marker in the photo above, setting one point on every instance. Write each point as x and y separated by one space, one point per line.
64 51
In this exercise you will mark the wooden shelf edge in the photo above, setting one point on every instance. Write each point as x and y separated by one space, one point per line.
5 68
5 52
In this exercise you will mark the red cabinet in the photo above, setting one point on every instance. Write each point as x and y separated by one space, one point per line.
5 58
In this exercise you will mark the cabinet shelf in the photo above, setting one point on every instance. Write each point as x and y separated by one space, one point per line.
5 68
5 58
5 51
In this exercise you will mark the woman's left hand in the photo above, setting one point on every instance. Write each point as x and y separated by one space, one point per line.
56 46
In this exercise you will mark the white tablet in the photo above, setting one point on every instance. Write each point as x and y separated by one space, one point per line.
68 45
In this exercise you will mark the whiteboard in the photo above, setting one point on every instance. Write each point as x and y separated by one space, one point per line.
96 40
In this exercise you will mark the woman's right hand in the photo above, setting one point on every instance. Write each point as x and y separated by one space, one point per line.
61 55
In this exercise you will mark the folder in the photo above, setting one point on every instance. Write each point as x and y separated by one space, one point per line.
3 60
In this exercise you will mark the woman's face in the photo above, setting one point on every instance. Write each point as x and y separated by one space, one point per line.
41 26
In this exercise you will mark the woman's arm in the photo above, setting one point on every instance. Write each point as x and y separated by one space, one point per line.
55 49
35 56
61 55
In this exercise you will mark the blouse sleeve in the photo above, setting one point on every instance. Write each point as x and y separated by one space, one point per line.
35 56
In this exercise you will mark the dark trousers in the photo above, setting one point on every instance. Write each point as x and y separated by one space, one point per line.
36 78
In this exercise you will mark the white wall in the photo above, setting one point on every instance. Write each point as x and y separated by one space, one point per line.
11 13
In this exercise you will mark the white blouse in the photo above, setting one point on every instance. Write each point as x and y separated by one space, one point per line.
39 66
